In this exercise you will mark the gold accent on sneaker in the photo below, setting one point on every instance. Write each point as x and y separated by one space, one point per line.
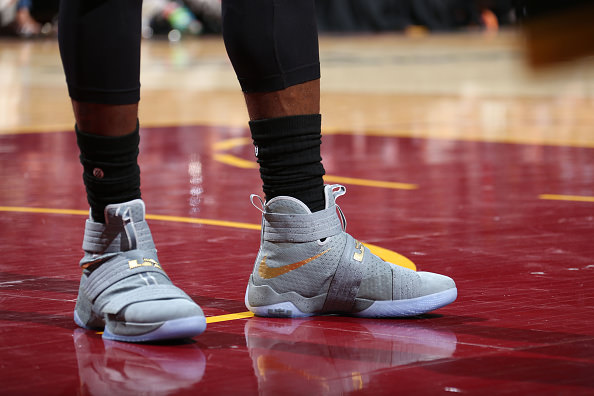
359 251
267 272
147 262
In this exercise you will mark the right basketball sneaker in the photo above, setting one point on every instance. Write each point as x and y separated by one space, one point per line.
308 265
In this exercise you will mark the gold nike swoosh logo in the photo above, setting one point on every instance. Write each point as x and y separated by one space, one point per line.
267 272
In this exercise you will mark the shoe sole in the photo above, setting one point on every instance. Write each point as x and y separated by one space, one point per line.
379 309
170 330
410 307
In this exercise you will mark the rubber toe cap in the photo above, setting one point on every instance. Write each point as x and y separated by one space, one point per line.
161 310
434 283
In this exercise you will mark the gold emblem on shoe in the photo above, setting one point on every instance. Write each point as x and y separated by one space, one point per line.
359 250
145 263
267 272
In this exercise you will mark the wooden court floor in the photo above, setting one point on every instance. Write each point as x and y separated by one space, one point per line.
455 156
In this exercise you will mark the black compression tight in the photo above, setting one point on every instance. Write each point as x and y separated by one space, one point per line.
272 45
100 49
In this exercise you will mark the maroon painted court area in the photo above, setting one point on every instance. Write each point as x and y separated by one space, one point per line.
523 322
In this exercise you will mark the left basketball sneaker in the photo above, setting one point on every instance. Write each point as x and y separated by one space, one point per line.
308 265
124 291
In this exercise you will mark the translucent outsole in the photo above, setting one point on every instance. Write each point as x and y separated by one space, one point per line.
169 330
379 309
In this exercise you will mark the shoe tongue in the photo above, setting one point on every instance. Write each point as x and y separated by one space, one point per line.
135 208
286 205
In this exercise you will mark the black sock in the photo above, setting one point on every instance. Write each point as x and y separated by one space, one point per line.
288 151
111 173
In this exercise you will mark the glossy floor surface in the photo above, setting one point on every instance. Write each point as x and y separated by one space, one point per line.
454 156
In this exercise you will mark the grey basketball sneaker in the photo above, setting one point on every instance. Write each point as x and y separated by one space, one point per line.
308 265
124 289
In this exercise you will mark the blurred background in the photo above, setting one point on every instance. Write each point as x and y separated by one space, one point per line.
462 69
174 18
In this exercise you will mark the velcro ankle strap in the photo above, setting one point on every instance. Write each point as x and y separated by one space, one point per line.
112 238
125 265
144 293
280 227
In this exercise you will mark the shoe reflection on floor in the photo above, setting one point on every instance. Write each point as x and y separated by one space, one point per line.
291 356
118 368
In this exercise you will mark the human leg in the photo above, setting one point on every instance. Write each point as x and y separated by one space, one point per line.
100 49
123 289
273 47
307 263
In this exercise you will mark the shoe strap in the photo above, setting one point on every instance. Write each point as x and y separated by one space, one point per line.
116 237
114 304
347 279
122 266
280 227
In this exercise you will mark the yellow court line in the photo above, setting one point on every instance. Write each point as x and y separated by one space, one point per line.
391 256
223 318
210 319
43 210
232 160
234 316
177 219
193 220
575 198
231 143
370 183
385 254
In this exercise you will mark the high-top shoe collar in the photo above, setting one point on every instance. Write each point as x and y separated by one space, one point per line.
290 205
